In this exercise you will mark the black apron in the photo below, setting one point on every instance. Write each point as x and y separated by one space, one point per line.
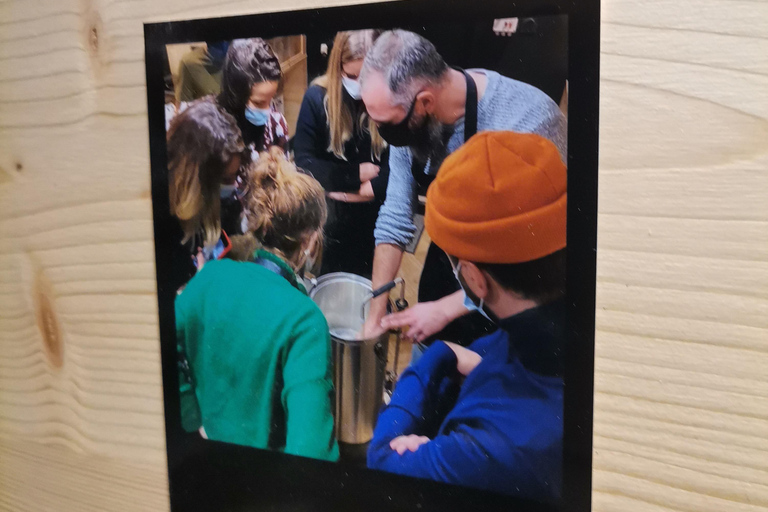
437 278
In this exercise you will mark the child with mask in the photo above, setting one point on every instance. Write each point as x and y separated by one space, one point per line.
250 79
256 348
338 144
490 416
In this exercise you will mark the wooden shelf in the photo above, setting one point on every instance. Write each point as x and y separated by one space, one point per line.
291 63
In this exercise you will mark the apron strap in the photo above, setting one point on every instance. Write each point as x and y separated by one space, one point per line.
470 111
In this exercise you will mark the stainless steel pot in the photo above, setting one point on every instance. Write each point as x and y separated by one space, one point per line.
359 364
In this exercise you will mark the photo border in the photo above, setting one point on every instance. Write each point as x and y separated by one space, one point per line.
209 475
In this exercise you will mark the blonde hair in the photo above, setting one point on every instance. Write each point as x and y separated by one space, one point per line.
201 143
284 208
347 47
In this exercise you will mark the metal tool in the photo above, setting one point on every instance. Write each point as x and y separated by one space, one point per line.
400 305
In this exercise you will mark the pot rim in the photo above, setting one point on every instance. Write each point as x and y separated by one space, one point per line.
335 277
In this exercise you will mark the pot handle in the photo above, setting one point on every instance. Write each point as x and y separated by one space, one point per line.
400 305
384 289
378 350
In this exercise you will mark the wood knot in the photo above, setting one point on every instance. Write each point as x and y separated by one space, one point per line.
93 39
47 321
93 34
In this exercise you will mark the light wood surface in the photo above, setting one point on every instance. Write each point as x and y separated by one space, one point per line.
681 405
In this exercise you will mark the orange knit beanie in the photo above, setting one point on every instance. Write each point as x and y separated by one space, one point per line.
500 198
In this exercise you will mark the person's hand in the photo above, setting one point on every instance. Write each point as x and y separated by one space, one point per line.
366 191
405 443
466 360
376 310
424 319
363 196
372 327
199 259
368 171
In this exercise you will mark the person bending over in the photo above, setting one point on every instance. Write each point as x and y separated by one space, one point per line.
426 110
250 81
205 155
254 349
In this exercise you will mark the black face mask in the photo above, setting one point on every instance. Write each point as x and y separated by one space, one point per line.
400 134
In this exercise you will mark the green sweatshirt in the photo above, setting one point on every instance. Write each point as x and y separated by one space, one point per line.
255 360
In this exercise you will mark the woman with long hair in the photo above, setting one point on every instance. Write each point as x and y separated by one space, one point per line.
255 348
250 80
340 146
205 153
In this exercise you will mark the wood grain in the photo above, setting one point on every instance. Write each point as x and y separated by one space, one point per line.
681 403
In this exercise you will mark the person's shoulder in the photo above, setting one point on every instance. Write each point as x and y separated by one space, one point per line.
316 90
194 56
506 86
217 270
486 343
308 307
308 314
200 284
532 110
315 93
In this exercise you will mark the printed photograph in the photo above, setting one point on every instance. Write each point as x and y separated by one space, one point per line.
369 233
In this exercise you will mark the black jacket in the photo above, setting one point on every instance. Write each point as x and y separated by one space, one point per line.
312 139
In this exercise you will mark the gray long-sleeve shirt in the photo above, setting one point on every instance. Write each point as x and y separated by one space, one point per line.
507 104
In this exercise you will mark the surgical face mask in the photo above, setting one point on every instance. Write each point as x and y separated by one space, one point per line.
352 87
399 134
244 222
472 302
310 258
226 191
257 116
309 262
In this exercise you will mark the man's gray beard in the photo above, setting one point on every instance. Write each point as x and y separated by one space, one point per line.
437 149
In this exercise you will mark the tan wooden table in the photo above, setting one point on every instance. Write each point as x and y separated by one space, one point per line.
681 406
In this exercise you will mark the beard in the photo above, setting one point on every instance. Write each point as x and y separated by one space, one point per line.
431 143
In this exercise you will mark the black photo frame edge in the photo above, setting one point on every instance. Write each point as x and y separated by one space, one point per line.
230 477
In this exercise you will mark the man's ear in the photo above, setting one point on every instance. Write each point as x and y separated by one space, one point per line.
427 100
475 279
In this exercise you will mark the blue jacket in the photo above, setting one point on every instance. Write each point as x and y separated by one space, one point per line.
501 429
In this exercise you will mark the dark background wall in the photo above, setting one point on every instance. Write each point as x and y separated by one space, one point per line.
536 54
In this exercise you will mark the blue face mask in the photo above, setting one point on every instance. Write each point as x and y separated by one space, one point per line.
257 116
352 87
469 302
227 191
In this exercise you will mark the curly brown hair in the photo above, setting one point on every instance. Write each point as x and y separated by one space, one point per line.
284 208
